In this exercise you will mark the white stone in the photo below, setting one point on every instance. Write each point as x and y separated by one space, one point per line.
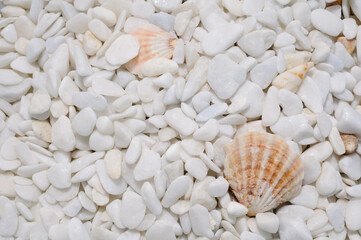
253 95
250 236
99 29
196 78
147 90
59 175
349 120
34 48
158 66
111 186
308 197
147 166
142 9
349 28
199 218
107 88
318 220
176 190
129 235
62 135
351 166
329 182
263 73
251 7
132 209
150 199
326 22
336 141
268 222
235 209
354 191
167 6
113 161
89 99
342 53
353 218
221 38
84 122
100 142
160 231
335 216
356 8
40 104
212 112
8 217
284 39
257 42
310 94
122 50
22 65
225 76
179 121
196 168
77 230
219 187
208 131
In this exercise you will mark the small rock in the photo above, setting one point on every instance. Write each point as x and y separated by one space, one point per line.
62 135
336 216
176 190
351 166
329 182
179 121
250 236
196 168
350 142
263 73
113 162
59 175
147 166
84 122
122 50
160 231
199 218
219 187
76 230
353 218
208 131
326 22
308 197
89 99
132 209
221 38
236 209
150 199
100 142
318 220
268 222
225 76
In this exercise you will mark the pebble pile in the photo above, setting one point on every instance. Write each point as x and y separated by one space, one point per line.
95 146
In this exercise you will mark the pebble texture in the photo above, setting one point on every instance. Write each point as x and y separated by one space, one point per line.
115 114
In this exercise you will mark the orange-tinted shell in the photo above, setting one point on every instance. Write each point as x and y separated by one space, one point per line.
350 45
153 42
262 171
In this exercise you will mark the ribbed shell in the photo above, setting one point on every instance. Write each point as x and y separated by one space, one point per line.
153 42
262 171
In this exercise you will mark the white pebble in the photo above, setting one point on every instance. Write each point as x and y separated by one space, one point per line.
99 29
307 197
268 222
263 73
113 161
317 220
351 166
326 22
62 134
179 121
176 190
59 175
100 142
132 209
199 218
122 50
221 38
353 218
84 122
196 168
160 232
77 230
89 99
329 182
147 166
335 216
225 76
235 209
150 199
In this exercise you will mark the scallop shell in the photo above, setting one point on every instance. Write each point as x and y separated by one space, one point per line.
154 42
292 79
262 171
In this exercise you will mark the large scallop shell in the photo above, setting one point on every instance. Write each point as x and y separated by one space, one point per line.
154 42
262 171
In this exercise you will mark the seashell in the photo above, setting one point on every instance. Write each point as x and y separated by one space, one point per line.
350 141
262 171
154 42
292 78
350 45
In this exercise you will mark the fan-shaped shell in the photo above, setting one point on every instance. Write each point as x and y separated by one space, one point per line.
154 42
262 171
